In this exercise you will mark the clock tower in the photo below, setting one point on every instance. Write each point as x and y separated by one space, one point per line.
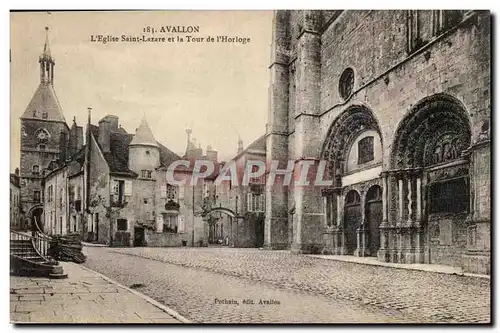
44 137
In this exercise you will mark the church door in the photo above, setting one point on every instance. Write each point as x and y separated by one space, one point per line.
352 220
373 218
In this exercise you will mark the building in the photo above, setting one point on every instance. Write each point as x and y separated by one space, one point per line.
238 209
16 221
109 186
46 140
398 104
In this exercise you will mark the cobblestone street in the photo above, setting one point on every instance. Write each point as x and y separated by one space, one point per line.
308 289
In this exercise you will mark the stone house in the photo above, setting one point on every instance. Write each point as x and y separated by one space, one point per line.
237 212
16 218
398 103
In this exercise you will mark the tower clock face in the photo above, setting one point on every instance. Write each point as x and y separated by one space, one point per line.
42 136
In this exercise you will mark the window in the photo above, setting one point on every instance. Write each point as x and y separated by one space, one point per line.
365 150
45 115
170 223
118 192
146 173
36 196
147 152
42 147
346 83
50 193
171 192
35 169
256 202
121 224
423 25
450 196
61 196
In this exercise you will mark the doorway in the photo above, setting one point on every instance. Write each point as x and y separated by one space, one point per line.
373 218
352 220
139 237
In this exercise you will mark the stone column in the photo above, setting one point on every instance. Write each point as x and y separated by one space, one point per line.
478 256
410 200
326 209
401 198
275 225
339 234
328 233
419 250
419 199
399 225
382 252
307 137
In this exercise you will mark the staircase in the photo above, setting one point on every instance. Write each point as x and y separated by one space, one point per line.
28 256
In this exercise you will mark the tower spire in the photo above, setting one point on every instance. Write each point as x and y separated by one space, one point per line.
46 62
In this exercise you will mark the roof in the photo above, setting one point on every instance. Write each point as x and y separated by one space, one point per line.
166 155
117 158
144 135
258 144
44 101
79 158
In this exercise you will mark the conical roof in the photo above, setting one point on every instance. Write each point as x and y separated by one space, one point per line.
44 105
143 135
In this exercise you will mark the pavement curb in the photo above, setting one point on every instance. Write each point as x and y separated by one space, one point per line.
148 299
393 265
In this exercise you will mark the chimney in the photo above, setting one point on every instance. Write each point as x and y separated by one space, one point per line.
79 137
211 154
104 135
113 122
63 147
240 145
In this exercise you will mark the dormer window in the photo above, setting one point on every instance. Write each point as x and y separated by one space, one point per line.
45 115
34 113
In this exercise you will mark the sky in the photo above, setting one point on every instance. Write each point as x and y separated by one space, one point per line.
219 90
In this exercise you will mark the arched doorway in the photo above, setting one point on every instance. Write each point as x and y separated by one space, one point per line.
373 216
36 215
352 220
222 226
353 149
431 181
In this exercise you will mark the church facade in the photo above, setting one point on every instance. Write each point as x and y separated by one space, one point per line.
398 104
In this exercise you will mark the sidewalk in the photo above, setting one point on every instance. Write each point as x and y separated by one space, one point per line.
418 267
84 297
